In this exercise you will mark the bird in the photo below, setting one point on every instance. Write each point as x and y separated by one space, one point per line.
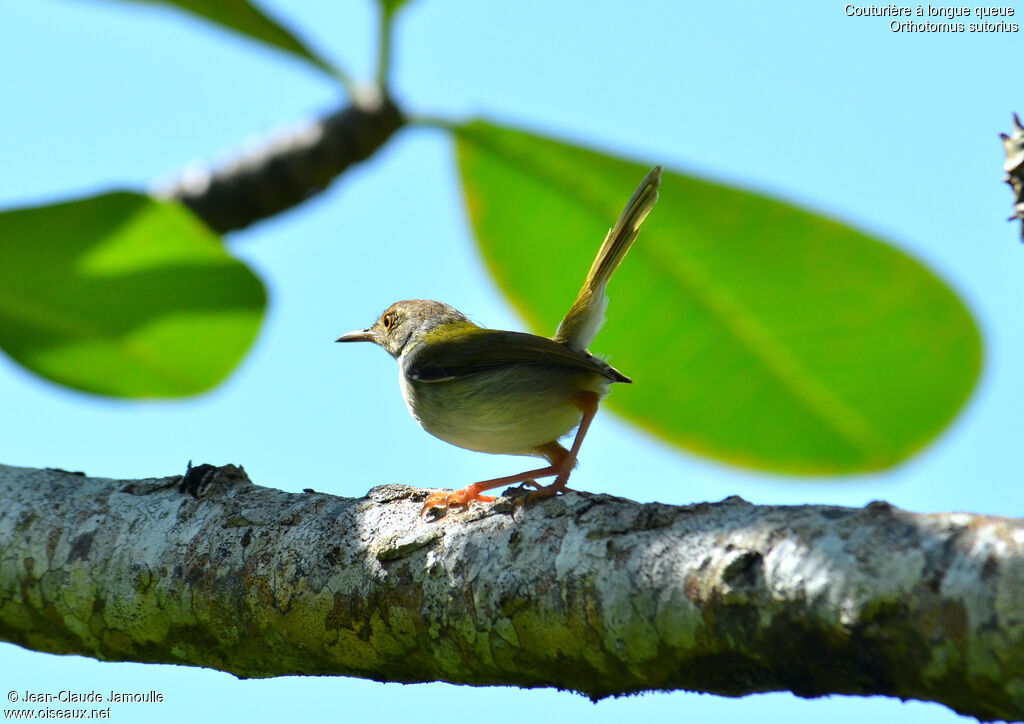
508 392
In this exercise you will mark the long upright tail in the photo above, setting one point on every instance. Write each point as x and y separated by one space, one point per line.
585 317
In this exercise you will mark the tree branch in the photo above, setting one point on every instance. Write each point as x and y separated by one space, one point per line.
585 592
1013 145
288 170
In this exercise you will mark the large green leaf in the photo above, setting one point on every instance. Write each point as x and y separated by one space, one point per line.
241 16
754 331
123 295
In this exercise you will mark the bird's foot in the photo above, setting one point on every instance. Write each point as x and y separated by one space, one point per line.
529 484
449 498
539 492
549 491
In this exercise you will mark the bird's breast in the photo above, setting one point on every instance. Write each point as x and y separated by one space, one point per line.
512 410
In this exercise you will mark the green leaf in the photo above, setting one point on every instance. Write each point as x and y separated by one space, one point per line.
123 295
244 18
755 332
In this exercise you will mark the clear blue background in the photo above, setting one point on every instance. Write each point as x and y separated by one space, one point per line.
895 133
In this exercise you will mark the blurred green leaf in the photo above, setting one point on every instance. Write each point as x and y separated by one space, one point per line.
755 332
123 295
244 18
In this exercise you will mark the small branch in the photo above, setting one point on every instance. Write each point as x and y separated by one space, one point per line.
585 592
386 18
1014 168
290 169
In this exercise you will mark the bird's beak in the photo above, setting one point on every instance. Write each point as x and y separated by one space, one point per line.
360 335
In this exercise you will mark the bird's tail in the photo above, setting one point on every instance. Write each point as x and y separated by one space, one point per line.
585 317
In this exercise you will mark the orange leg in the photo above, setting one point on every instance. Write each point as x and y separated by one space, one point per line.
587 402
562 462
472 492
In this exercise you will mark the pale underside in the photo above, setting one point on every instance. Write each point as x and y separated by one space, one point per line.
511 418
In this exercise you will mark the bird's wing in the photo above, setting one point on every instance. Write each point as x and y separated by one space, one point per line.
436 360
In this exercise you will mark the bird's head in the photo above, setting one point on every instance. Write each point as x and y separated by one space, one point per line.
405 324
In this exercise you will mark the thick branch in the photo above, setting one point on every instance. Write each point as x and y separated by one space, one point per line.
591 593
290 169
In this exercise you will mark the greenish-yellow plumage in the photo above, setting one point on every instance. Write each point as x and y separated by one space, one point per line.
509 392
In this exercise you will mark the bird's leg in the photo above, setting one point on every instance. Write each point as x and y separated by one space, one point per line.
555 454
562 462
472 492
587 402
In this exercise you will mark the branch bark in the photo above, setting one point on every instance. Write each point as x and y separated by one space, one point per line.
288 170
591 593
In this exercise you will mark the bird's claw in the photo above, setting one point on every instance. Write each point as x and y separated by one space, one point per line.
539 492
450 498
529 484
462 498
548 491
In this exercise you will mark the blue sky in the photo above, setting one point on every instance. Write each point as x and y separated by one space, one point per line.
895 133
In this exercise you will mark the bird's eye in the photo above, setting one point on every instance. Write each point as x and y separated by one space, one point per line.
388 320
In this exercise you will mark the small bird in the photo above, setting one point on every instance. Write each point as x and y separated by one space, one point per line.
509 392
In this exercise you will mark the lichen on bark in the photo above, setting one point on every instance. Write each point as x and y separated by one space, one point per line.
591 593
